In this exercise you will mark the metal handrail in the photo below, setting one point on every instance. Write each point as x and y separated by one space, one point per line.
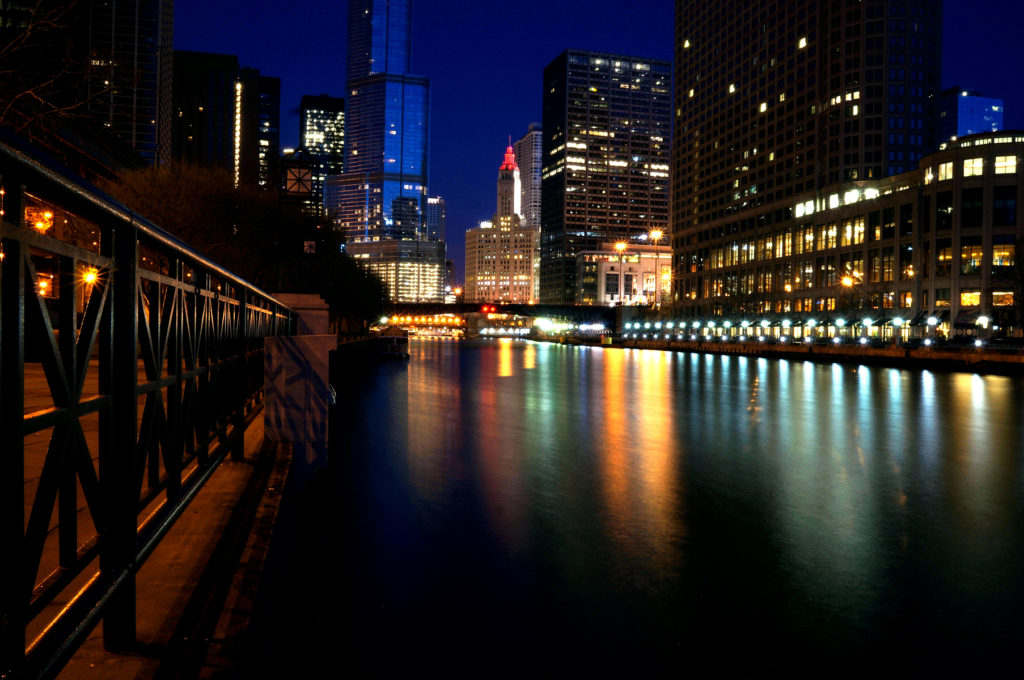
199 343
14 150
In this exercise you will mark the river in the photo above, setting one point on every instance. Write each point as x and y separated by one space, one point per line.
523 509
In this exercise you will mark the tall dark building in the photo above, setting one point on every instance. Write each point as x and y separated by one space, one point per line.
606 159
226 117
322 134
130 46
260 131
779 100
382 194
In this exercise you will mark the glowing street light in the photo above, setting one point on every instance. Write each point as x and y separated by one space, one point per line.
655 235
621 247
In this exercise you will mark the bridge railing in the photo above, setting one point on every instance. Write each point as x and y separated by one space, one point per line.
129 364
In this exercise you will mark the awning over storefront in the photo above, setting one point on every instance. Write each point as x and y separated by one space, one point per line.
966 319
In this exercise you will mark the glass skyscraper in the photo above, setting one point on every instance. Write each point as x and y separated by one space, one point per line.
382 192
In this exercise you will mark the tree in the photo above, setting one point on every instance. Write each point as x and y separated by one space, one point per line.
42 63
247 231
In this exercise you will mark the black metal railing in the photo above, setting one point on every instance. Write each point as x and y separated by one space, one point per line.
129 365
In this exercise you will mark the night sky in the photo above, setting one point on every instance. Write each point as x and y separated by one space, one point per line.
485 62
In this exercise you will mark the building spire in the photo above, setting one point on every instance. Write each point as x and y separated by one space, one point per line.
510 157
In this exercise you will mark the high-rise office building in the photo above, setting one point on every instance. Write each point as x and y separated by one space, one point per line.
130 46
529 150
606 159
322 134
382 193
963 112
260 129
435 218
226 117
529 158
775 103
500 253
204 108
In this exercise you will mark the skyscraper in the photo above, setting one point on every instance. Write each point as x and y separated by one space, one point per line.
963 112
435 218
783 110
529 157
322 134
382 193
226 117
260 129
130 72
500 253
606 156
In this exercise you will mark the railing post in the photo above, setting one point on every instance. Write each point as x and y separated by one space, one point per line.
117 463
240 377
175 429
14 591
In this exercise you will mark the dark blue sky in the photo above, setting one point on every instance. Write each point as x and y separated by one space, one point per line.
485 61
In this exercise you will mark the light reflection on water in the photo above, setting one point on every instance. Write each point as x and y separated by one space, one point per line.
681 502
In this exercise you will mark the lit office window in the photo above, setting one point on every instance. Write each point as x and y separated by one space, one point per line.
1006 165
945 171
972 167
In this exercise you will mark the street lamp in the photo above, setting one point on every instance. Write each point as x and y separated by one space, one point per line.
655 236
621 247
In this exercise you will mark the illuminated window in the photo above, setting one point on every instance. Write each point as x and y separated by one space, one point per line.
858 230
1002 298
1006 165
1003 254
970 255
970 298
973 167
945 171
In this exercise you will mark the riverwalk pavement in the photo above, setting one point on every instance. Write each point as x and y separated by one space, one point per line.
197 592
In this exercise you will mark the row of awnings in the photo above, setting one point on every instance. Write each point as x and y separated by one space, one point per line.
963 319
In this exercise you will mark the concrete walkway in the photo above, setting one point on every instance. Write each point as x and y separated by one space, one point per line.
197 591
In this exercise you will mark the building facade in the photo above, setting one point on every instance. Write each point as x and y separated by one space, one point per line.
606 159
412 271
500 253
322 134
963 112
634 274
940 242
813 95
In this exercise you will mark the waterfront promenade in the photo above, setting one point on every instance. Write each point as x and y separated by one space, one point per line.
197 591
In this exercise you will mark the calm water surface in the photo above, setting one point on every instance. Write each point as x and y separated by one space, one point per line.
512 509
